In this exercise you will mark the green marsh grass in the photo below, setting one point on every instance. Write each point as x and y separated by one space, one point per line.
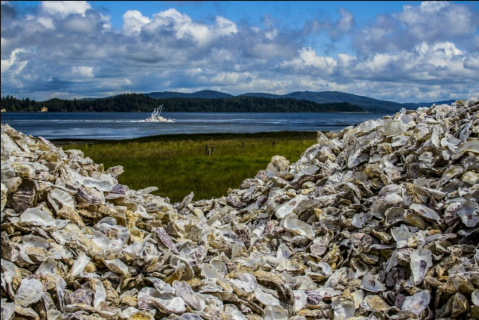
179 164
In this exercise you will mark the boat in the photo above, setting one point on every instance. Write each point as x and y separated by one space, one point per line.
155 116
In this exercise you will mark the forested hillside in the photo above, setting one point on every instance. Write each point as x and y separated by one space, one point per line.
142 103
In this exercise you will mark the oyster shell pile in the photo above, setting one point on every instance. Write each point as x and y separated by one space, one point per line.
377 221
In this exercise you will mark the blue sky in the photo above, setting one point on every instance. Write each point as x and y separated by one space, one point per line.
401 51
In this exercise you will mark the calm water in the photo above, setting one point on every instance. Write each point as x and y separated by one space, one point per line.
115 125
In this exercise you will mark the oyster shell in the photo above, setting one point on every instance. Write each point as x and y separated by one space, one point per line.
417 302
30 291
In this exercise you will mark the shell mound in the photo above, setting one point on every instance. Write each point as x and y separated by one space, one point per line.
377 221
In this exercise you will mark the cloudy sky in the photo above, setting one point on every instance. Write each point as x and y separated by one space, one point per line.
398 51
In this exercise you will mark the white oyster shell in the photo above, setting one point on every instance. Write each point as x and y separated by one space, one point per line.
475 297
37 217
394 127
425 212
100 293
344 310
289 206
275 313
401 235
232 311
59 198
243 284
300 299
164 302
417 303
30 291
265 298
421 261
4 196
297 226
79 264
8 309
469 213
371 283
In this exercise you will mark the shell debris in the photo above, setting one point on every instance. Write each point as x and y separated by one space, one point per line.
377 221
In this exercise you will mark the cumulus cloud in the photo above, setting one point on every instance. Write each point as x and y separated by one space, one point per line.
64 8
133 20
13 61
437 20
69 49
182 27
431 21
309 62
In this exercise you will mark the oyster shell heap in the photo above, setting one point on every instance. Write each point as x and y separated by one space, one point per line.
377 221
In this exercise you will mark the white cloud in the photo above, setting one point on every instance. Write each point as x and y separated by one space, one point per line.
433 20
433 6
346 21
83 71
434 67
472 63
429 22
271 34
224 27
79 25
64 8
308 58
222 55
47 22
133 21
226 78
184 27
344 59
13 64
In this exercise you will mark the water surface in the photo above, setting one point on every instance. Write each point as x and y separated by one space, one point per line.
127 125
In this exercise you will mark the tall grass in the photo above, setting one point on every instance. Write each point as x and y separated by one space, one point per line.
206 164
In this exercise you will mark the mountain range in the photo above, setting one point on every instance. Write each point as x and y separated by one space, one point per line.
366 103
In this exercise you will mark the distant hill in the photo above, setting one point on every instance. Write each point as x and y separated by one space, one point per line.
368 104
142 103
204 94
325 97
428 104
261 95
322 97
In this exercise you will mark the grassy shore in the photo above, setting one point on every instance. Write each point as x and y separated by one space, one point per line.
207 164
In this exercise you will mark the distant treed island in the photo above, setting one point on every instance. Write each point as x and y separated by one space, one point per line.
143 103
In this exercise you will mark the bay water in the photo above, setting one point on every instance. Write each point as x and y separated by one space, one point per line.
128 125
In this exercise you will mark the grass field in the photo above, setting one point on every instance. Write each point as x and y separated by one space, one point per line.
206 164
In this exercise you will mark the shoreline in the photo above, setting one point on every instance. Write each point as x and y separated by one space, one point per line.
195 137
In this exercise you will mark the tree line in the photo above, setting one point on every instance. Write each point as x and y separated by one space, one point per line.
133 102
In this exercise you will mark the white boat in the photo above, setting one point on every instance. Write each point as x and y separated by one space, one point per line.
156 117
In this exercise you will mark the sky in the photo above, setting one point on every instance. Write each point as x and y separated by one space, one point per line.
401 51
